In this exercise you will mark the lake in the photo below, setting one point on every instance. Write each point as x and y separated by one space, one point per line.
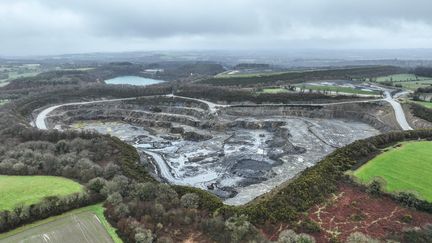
133 80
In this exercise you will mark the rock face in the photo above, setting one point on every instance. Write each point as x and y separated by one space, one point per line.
369 113
196 137
237 153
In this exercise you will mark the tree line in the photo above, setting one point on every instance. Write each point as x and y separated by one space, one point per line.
303 76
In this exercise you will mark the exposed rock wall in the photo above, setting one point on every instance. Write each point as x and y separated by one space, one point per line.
364 112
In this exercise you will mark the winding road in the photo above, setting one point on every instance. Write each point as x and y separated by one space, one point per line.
40 121
399 112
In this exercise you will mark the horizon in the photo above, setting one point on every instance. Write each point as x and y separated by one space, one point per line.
268 52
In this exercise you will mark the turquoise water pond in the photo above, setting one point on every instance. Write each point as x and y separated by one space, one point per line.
133 80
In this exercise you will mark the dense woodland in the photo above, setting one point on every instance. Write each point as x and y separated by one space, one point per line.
423 71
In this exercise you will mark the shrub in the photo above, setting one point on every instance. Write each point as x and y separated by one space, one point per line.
418 235
165 239
144 236
289 236
374 187
241 230
190 200
208 201
122 210
406 218
407 199
96 184
166 195
310 226
358 237
115 198
145 191
215 229
304 238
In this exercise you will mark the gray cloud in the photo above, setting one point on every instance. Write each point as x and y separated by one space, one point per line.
45 26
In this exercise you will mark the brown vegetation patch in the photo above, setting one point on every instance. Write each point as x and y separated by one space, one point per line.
351 209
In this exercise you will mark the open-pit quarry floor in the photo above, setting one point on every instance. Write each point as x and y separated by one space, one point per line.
237 157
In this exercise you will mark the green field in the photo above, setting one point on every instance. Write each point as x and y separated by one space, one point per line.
249 75
10 72
274 90
408 81
28 190
416 84
2 102
86 224
398 78
406 167
337 89
296 77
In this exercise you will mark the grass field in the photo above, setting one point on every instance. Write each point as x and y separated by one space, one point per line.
407 167
340 89
19 71
408 81
398 78
337 89
86 224
274 90
413 85
248 75
14 75
2 102
31 189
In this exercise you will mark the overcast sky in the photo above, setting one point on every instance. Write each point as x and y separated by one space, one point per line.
35 27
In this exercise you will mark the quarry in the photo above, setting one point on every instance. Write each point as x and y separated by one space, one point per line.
235 152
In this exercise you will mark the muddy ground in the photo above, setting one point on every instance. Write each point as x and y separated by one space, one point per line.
239 164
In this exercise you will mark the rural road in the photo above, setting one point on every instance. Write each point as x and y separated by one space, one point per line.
40 121
213 108
41 117
399 113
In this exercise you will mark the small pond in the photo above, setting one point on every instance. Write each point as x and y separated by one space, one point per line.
133 80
